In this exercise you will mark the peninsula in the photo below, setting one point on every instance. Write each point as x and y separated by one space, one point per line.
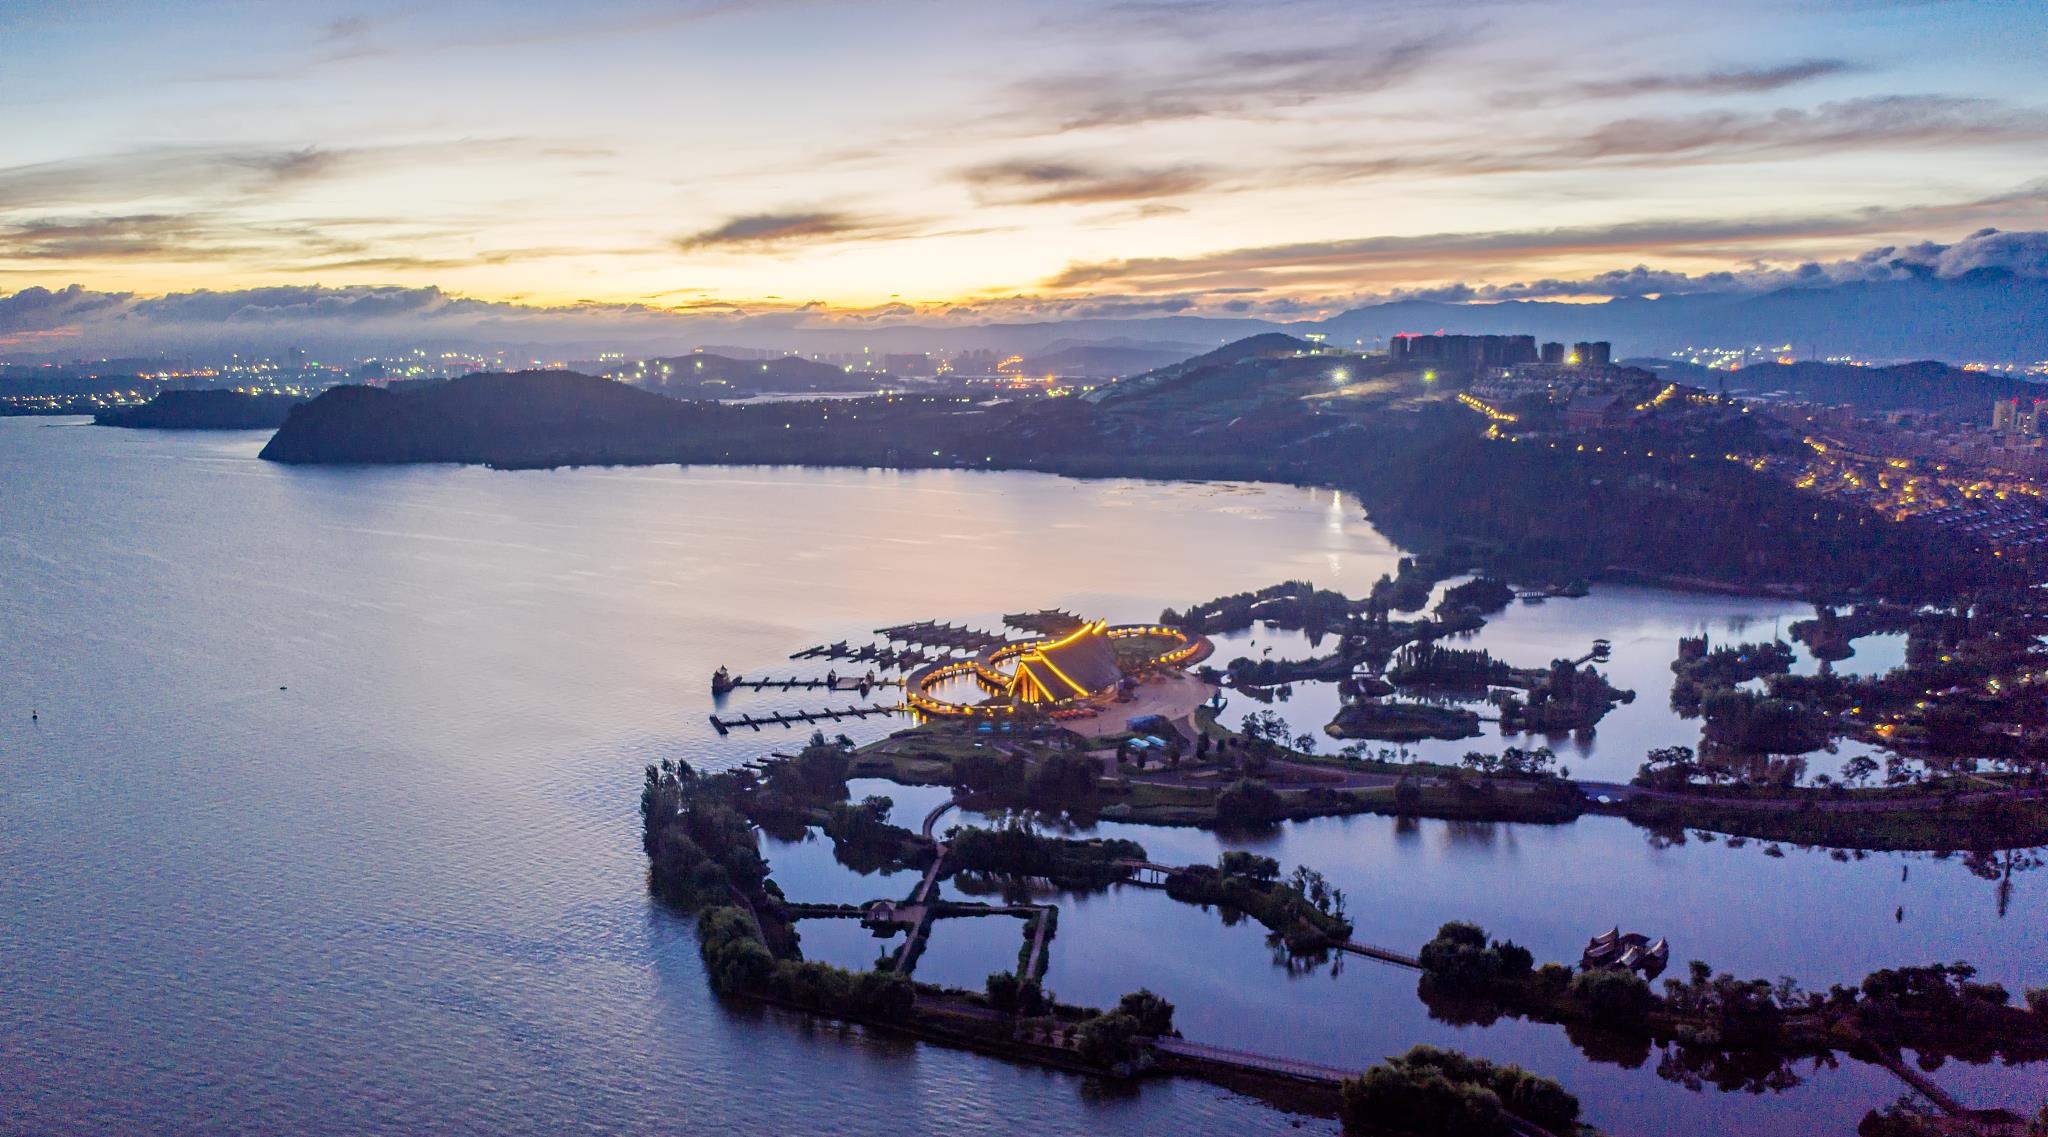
204 410
1555 496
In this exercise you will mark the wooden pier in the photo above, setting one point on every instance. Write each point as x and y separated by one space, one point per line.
1045 621
1384 955
928 633
886 657
797 718
841 683
1202 1054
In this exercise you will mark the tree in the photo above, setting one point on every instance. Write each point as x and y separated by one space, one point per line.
1248 803
1237 862
1032 999
1514 958
1002 991
1107 1040
1668 767
1268 731
1420 1100
1154 1015
1616 998
1317 891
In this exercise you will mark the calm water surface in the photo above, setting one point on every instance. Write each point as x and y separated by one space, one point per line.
1643 626
329 824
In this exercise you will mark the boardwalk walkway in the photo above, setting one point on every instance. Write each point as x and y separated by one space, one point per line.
1032 963
841 683
1202 1053
932 818
798 718
921 899
1246 1060
1921 1083
1621 793
1382 954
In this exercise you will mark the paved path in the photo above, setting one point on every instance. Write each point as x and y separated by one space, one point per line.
1031 964
1281 775
1624 793
1173 697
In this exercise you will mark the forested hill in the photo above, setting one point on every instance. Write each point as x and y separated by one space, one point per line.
525 418
203 410
1228 363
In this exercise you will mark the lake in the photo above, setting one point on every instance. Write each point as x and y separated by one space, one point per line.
327 822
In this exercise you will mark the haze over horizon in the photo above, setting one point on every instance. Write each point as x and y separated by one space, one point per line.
651 167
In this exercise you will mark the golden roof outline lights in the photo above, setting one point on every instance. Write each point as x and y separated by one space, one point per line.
1038 679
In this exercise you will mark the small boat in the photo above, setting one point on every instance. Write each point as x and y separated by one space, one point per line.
721 681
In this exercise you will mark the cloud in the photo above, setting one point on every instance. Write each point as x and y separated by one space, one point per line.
1722 81
302 302
1243 82
224 174
177 238
136 236
1359 262
1035 182
1877 124
1891 120
158 172
39 309
1407 252
2023 254
774 230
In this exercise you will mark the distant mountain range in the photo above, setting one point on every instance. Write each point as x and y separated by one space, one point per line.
1990 315
1925 385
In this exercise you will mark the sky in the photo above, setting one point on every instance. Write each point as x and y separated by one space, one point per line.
964 160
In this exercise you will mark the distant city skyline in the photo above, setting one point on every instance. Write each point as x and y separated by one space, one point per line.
996 162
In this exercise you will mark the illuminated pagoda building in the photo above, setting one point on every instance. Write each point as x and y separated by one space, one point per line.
1056 674
1078 666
